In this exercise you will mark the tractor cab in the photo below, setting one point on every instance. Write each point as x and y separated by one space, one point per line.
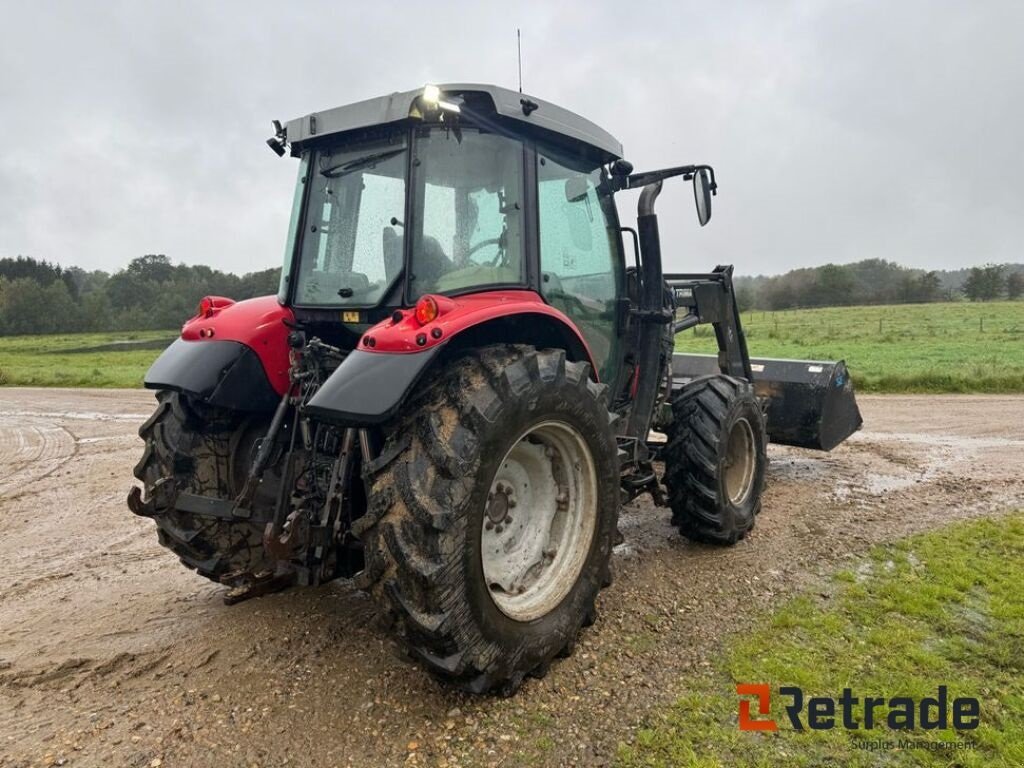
468 189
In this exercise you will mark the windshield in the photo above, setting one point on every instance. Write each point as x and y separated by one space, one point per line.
353 244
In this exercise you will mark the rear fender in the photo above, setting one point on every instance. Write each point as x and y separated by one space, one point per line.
235 355
402 333
373 382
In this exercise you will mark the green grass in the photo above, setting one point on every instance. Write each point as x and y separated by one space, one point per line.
943 608
952 347
48 361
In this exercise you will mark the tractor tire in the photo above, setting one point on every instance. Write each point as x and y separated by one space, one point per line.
715 459
192 448
492 512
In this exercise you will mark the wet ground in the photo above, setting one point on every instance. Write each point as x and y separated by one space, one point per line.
111 653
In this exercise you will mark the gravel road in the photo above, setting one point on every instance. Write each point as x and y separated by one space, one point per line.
111 653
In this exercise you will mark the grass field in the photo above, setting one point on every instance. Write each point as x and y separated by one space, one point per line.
52 361
939 609
914 348
957 347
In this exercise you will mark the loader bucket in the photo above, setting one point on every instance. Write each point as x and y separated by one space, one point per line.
810 403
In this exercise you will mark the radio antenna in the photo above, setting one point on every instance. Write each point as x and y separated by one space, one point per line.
519 49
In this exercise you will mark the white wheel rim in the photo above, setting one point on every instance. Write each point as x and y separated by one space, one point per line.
740 462
539 520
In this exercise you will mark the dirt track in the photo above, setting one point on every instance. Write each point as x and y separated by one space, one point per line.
111 653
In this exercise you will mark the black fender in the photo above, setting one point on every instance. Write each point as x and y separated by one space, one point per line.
227 374
369 387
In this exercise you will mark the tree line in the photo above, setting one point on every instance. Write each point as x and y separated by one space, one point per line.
150 293
876 281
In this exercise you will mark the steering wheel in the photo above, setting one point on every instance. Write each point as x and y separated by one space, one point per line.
481 244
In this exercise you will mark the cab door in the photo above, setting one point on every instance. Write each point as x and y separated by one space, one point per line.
581 260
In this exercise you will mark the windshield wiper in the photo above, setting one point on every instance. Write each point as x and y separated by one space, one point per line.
369 161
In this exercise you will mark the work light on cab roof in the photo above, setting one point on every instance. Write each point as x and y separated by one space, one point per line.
433 96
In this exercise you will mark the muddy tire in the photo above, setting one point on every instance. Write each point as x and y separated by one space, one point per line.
715 459
463 484
192 448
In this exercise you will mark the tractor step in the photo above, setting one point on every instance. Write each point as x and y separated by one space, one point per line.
810 403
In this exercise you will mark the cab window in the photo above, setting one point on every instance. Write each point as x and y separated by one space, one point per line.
468 211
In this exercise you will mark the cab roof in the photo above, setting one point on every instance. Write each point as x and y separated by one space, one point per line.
508 104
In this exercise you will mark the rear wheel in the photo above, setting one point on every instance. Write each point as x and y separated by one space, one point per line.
715 459
492 513
192 448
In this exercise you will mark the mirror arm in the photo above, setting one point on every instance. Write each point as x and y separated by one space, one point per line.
644 178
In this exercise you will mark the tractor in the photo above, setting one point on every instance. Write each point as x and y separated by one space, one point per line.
467 371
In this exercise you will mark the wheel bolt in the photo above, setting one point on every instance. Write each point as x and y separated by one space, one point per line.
511 502
498 529
508 520
488 524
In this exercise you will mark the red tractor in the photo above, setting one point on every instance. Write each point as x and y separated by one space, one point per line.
450 397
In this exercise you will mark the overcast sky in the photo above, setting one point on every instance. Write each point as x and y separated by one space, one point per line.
838 130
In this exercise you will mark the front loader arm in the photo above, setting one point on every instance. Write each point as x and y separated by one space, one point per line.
709 298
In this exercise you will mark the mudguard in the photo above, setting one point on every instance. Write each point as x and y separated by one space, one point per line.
374 380
232 355
368 388
227 374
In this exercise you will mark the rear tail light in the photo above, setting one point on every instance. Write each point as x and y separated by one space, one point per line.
426 310
208 305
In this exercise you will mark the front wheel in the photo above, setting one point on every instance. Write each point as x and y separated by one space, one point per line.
715 459
491 519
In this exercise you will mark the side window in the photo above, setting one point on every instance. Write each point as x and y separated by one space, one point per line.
578 257
293 228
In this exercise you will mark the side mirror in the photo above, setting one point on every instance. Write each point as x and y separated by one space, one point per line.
702 195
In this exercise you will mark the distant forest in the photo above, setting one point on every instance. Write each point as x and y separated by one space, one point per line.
875 281
151 293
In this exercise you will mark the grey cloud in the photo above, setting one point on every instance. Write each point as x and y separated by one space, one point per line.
839 130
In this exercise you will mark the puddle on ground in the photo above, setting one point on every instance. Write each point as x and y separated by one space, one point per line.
940 454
